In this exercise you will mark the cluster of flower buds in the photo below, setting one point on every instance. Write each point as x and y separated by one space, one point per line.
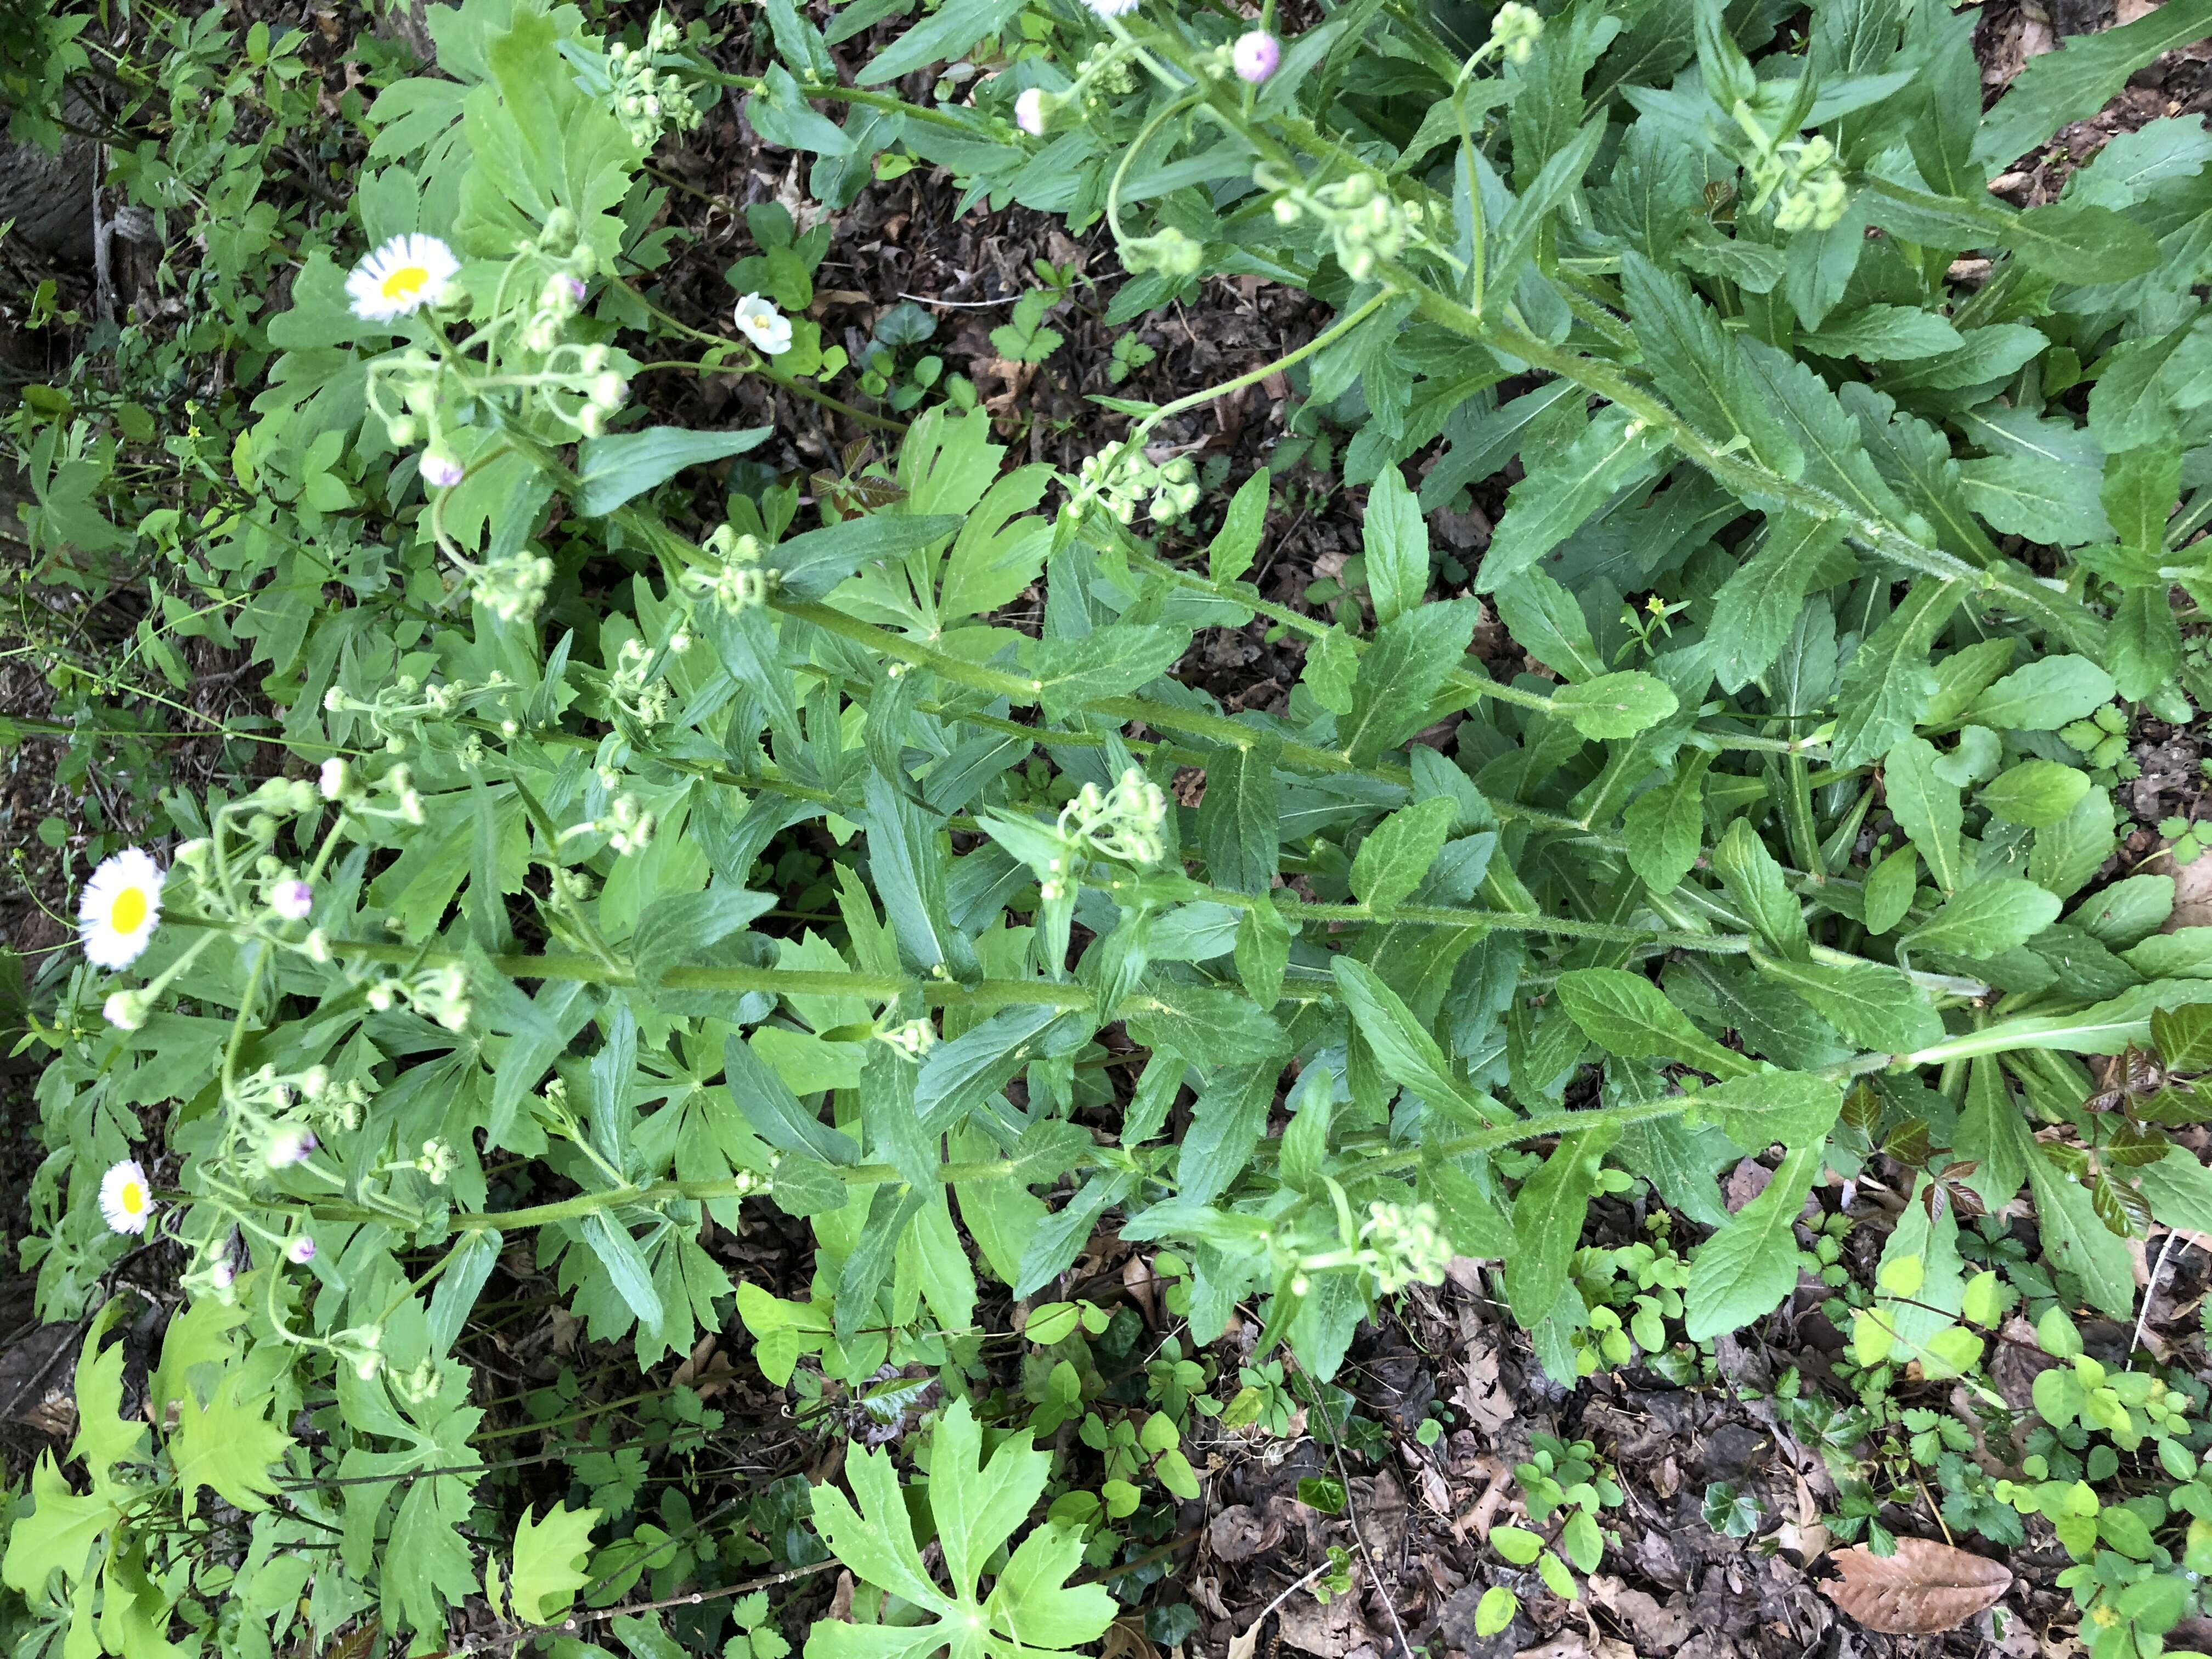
1514 31
913 1039
743 582
406 713
437 994
513 587
1122 480
361 1347
627 826
1168 250
1801 175
647 102
1367 224
437 1161
1404 1246
1124 823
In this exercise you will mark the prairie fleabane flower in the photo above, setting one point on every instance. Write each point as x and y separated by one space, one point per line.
125 1199
121 903
401 277
1255 56
768 329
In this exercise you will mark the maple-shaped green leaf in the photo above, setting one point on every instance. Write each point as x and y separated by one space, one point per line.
104 1434
549 1561
58 1532
226 1446
978 1506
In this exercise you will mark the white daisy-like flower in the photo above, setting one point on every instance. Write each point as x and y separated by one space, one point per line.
768 329
121 903
126 1199
401 277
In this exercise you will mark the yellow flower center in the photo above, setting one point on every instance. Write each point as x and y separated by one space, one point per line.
133 1198
406 283
129 913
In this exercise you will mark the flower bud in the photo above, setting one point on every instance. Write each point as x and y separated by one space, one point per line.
292 900
441 470
300 1251
1256 56
126 1010
1033 110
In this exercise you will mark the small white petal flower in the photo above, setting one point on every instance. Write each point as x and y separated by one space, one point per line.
401 277
1030 111
292 900
768 329
126 1199
120 906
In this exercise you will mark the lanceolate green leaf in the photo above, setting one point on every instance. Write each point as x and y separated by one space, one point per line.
1888 683
1743 1273
1547 1222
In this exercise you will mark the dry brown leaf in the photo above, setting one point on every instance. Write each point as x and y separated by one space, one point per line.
1924 1588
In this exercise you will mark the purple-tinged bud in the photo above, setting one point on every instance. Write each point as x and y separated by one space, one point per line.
300 1251
292 900
1255 56
441 470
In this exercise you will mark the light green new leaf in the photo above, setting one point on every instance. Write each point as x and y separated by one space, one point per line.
1987 918
1409 1056
549 1556
1666 825
1794 1107
59 1535
1616 705
1626 1014
1547 1222
1888 682
2043 696
2035 793
1757 606
1875 1006
1396 540
1398 852
225 1446
1761 891
1237 541
614 470
1561 491
1743 1272
1927 808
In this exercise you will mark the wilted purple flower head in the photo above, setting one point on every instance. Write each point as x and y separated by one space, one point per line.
1255 56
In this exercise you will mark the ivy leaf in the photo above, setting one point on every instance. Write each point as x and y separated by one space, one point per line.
1743 1273
549 1561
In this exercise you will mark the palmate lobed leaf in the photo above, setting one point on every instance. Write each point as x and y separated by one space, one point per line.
977 1505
